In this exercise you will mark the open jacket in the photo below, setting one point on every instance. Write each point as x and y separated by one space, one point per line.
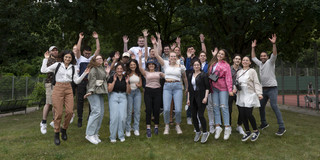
97 81
202 84
224 82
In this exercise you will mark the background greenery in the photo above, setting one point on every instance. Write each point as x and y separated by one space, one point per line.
28 28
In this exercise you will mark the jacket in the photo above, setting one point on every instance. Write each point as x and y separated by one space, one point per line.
202 84
224 82
97 81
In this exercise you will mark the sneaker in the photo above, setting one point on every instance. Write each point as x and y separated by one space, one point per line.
281 131
218 131
79 123
113 140
96 136
240 130
149 133
189 121
204 137
128 134
156 131
246 137
136 133
52 124
197 136
166 129
43 128
92 139
122 139
72 118
212 129
178 129
227 133
255 136
263 126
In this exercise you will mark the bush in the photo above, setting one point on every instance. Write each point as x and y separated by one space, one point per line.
39 92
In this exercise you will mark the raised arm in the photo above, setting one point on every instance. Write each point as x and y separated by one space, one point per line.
154 41
203 45
253 46
143 72
273 40
114 60
96 36
125 43
78 53
145 35
214 53
111 85
178 41
159 43
44 67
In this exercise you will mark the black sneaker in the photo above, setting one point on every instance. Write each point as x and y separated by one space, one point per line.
255 136
149 133
246 137
263 126
281 131
79 123
156 131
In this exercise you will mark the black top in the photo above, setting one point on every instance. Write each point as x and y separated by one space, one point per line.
119 86
202 84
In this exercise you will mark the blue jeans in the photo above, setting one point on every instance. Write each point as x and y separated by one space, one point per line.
220 101
118 114
134 100
272 94
96 115
172 90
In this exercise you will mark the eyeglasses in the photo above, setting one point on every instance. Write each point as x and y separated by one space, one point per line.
98 58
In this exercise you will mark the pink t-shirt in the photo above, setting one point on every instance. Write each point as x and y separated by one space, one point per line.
153 79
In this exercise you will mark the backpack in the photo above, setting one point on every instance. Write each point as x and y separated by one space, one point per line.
73 85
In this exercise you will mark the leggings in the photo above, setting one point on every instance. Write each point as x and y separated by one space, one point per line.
152 100
198 111
246 114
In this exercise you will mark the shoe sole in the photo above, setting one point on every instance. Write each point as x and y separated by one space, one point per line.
281 134
205 139
243 140
90 141
262 128
256 138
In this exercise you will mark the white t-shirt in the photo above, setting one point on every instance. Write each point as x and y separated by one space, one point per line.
135 51
173 72
82 59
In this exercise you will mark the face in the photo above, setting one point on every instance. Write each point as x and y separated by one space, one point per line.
152 53
196 66
151 66
237 60
192 50
246 62
177 51
202 57
86 53
54 52
99 60
140 42
173 57
67 58
119 70
221 55
263 57
125 59
166 50
74 49
133 66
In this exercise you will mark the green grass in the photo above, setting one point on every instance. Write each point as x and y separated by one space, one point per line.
20 138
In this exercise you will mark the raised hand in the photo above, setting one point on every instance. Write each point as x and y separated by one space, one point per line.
273 39
114 78
173 46
46 55
125 39
214 53
81 35
178 40
87 70
140 53
189 53
145 33
95 35
201 38
158 35
254 43
153 40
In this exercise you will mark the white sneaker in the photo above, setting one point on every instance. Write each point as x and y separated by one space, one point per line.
212 129
136 133
72 118
128 134
113 140
43 128
122 139
240 130
218 131
166 129
189 121
227 133
92 139
97 138
52 124
178 129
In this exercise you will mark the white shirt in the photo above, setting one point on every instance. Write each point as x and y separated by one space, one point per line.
135 51
64 74
173 72
81 60
193 82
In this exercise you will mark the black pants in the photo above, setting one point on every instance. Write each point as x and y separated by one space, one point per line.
152 100
198 111
231 100
246 114
81 91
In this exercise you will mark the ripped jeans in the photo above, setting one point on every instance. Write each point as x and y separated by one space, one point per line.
220 101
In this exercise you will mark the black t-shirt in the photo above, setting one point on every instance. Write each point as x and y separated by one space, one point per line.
119 86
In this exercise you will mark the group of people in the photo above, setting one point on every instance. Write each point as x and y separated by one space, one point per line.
161 77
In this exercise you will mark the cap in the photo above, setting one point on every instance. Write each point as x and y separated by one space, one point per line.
52 47
153 61
126 54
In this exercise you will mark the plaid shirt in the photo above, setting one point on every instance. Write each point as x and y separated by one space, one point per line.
224 82
50 75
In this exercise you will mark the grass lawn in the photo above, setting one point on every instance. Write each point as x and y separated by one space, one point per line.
20 138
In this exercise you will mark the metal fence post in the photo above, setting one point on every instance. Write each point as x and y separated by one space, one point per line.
316 73
12 91
26 86
297 84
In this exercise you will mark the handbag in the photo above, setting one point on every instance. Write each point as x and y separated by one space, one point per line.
101 87
214 77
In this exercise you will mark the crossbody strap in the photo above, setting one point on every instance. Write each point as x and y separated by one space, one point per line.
243 73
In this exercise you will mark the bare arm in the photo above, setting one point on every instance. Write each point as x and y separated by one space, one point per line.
145 35
96 36
153 40
203 45
78 53
128 85
178 41
253 46
273 40
143 72
125 43
159 43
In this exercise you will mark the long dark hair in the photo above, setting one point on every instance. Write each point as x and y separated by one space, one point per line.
137 70
65 52
197 60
